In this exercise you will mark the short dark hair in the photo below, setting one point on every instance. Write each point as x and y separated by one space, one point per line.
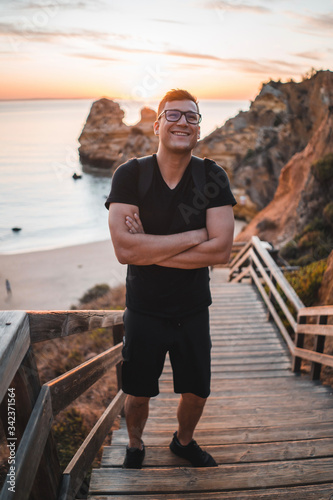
176 95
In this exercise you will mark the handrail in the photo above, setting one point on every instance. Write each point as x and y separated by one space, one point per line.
255 262
18 331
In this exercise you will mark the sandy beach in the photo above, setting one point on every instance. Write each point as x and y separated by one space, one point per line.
56 279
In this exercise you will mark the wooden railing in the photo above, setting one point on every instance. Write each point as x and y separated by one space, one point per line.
28 410
284 306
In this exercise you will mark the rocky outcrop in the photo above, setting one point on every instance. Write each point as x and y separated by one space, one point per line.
300 195
255 145
106 141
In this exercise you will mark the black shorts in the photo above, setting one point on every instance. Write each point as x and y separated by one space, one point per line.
147 340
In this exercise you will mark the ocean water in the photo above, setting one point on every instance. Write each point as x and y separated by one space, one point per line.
38 156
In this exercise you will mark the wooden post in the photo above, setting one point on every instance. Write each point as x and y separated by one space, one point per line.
270 296
118 333
319 345
299 342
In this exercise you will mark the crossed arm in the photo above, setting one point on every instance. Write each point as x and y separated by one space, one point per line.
188 250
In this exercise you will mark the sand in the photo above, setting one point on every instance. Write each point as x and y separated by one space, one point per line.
56 279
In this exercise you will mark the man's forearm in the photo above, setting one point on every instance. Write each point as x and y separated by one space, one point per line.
147 249
208 253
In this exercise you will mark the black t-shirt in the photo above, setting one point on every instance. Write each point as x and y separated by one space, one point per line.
164 291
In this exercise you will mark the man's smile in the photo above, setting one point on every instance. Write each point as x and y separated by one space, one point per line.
180 133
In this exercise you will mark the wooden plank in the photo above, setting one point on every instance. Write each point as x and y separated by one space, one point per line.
262 434
324 359
46 325
222 409
317 492
214 402
223 477
113 456
244 340
237 418
83 458
326 330
247 367
71 385
166 388
14 334
311 492
31 447
241 386
248 375
316 311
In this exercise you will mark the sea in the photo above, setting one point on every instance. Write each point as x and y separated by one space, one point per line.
38 157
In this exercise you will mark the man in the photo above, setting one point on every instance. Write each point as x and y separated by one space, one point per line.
168 237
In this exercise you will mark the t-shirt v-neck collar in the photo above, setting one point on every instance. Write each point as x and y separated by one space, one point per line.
170 190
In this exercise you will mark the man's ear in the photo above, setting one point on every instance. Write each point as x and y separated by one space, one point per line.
199 133
157 127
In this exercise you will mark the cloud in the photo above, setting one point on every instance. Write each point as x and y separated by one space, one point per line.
317 56
165 51
170 21
55 4
197 60
95 57
223 5
27 29
314 24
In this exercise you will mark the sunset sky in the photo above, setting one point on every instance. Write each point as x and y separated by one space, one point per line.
131 49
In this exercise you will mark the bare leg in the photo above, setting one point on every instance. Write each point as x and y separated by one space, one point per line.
189 411
136 413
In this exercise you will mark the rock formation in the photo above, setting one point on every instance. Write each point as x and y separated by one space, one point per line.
299 195
255 145
106 141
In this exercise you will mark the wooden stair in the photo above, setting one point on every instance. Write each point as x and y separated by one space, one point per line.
270 432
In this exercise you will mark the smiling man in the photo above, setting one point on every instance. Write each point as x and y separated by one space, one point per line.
170 217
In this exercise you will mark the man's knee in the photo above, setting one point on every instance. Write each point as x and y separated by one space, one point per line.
136 401
193 400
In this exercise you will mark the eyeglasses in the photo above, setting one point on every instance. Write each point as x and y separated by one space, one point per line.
174 115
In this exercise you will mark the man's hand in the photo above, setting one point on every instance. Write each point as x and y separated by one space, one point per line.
134 224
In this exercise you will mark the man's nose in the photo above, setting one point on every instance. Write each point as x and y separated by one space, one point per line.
182 120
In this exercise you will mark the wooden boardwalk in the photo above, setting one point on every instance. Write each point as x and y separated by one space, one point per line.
270 431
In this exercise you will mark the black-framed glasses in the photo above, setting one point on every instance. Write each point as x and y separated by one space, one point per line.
173 115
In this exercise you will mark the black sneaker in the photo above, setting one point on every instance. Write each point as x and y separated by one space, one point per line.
134 457
192 452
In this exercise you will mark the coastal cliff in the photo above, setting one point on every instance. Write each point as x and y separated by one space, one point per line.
255 145
106 141
302 192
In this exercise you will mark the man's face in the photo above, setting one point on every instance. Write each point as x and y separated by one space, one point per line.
177 136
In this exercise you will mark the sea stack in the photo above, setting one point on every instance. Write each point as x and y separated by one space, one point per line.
106 141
